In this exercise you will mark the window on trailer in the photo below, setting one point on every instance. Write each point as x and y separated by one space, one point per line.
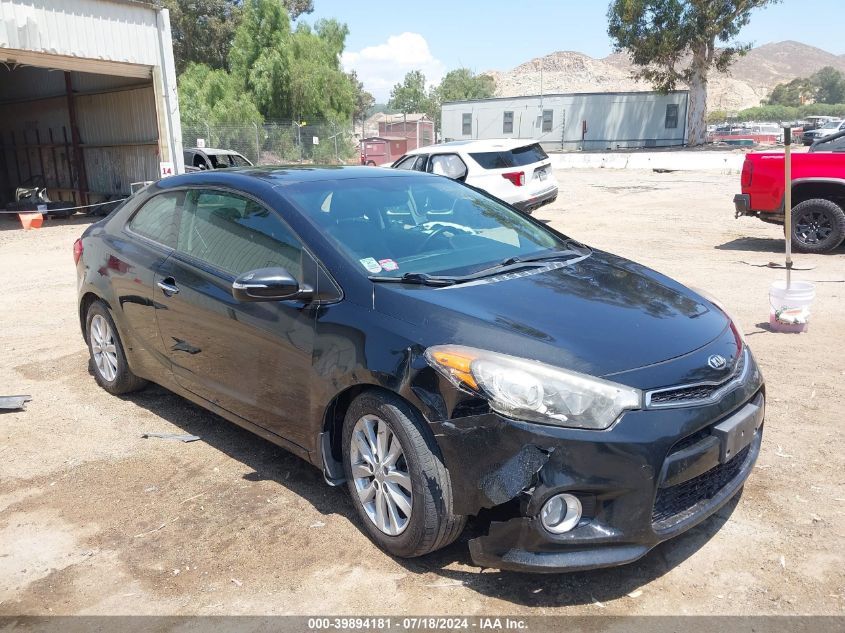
671 115
466 124
548 118
507 123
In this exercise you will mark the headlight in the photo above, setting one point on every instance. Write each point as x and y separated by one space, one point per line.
530 390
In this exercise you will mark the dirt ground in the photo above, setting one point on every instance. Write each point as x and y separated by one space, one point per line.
96 520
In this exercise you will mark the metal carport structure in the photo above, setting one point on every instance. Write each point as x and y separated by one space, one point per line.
88 100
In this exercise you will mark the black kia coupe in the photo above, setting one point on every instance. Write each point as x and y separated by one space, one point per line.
435 350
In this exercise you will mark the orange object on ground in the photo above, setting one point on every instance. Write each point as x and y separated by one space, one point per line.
31 220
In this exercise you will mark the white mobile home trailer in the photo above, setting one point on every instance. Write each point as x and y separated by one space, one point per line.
88 101
578 121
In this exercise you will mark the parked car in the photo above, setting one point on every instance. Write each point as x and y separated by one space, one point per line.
818 195
434 350
769 129
512 170
831 127
202 158
815 122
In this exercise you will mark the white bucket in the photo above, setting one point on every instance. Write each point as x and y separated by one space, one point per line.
790 308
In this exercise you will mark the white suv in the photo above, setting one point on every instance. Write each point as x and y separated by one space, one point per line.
509 169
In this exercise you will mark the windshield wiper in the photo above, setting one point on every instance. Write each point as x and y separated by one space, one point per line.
507 265
421 279
517 259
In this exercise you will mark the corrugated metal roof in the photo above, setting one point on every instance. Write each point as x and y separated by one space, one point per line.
95 30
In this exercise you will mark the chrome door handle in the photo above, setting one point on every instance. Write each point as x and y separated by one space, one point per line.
168 288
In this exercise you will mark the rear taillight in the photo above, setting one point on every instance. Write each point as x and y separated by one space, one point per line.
747 173
516 177
77 251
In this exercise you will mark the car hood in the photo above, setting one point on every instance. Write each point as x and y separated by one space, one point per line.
604 315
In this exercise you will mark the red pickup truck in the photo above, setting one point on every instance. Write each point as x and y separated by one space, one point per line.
818 195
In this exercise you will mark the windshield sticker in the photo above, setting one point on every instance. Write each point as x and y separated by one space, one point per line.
388 264
370 264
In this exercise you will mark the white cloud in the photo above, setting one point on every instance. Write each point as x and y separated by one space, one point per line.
382 66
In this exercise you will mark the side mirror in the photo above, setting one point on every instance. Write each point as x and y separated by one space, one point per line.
269 284
202 167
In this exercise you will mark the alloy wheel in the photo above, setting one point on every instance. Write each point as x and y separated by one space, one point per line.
813 227
380 475
103 347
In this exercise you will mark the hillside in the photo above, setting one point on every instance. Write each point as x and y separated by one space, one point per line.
749 81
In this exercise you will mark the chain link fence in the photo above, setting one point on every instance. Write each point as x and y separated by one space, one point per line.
280 142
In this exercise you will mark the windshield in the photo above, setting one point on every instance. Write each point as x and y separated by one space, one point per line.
417 224
831 125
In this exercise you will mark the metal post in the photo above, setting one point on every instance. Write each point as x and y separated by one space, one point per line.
78 157
787 200
336 154
257 145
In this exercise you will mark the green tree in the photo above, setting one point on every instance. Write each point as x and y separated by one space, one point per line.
829 85
458 85
793 93
214 106
294 74
203 30
363 100
410 96
675 41
211 95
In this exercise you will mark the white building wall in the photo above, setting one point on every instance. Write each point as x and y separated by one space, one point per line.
613 120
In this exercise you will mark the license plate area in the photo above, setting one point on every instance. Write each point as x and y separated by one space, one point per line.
737 431
541 173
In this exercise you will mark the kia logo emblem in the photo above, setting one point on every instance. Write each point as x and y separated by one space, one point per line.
717 362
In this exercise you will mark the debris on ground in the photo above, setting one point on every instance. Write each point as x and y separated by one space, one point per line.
635 594
13 403
317 524
237 582
183 437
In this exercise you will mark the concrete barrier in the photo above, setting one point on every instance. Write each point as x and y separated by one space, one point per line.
727 162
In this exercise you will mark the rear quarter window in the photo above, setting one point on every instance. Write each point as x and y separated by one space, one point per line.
156 219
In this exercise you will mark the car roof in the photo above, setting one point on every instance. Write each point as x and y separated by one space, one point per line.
214 150
282 175
484 145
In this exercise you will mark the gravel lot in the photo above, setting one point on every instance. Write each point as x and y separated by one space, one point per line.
96 520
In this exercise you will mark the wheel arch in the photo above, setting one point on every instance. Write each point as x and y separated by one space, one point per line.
832 189
330 442
88 298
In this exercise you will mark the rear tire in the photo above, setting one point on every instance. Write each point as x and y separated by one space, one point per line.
430 524
111 371
818 226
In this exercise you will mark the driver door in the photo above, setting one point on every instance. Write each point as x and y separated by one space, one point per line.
251 359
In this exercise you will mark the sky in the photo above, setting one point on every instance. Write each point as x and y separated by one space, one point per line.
389 38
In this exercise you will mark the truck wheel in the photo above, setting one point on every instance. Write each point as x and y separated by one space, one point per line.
398 482
818 226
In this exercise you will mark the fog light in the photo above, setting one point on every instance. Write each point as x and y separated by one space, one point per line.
561 513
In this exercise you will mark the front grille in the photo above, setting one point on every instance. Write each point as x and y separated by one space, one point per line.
691 394
700 392
677 502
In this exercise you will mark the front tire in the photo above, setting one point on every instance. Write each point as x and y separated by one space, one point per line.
818 226
396 477
111 371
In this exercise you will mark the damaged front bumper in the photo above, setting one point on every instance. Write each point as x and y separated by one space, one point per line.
653 475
